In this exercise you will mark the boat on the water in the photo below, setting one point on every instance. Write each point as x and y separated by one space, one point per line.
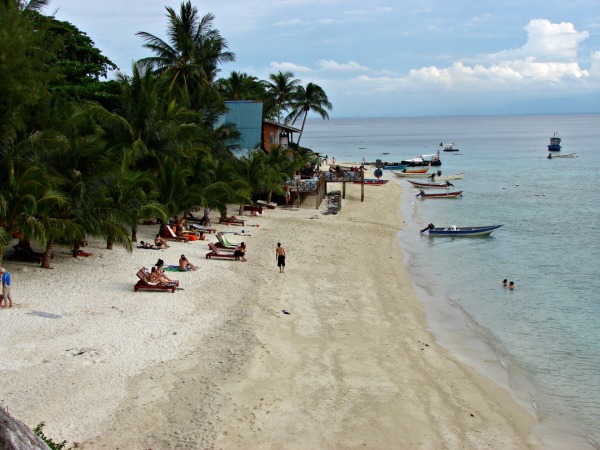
449 147
372 182
423 160
566 155
435 177
402 174
554 145
454 194
413 170
420 185
459 231
397 166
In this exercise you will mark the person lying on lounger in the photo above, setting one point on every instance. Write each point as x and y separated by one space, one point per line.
156 276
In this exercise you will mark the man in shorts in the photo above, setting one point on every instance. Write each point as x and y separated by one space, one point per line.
280 257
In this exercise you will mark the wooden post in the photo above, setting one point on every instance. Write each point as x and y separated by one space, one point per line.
344 187
362 185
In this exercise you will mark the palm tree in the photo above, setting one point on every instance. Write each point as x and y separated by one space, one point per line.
194 52
282 87
240 86
311 98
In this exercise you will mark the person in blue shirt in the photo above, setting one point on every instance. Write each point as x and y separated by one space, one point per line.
6 297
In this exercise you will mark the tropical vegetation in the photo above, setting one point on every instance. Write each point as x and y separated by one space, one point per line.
82 156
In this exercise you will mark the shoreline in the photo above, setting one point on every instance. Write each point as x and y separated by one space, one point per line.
219 365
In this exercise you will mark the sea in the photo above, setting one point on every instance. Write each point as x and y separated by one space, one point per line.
542 339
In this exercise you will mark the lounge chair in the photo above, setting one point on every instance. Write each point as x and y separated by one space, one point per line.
145 283
169 234
224 242
216 252
232 221
204 229
269 205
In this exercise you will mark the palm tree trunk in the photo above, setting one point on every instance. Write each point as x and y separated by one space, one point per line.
109 244
302 129
134 233
47 255
76 246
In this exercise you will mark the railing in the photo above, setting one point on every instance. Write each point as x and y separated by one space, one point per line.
342 176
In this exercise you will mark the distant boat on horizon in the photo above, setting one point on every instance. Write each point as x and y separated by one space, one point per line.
554 145
449 147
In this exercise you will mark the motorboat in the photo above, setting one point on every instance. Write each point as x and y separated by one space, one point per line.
554 145
454 194
459 231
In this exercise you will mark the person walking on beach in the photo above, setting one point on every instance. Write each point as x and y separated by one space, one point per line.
6 297
280 257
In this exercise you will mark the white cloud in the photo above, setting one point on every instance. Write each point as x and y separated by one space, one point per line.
547 41
549 57
595 68
289 67
478 20
330 65
288 23
546 66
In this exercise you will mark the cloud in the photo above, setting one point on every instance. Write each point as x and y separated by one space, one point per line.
288 23
478 20
289 67
546 66
549 56
330 65
547 41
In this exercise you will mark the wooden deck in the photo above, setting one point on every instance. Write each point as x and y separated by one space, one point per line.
303 188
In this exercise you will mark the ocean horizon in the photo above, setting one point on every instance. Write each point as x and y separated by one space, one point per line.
541 340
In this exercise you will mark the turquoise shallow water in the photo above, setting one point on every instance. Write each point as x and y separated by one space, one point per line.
546 333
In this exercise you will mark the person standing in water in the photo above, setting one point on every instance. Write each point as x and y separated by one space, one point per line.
280 257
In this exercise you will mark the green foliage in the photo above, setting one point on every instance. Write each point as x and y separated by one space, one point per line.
49 442
80 156
25 72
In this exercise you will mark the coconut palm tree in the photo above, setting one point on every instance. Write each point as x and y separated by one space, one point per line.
240 86
304 100
282 88
194 51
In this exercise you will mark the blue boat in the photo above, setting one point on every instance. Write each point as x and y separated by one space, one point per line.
554 145
459 231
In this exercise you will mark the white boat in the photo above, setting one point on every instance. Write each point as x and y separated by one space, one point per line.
401 174
567 155
456 176
424 160
449 147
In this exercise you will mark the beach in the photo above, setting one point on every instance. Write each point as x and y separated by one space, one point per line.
220 365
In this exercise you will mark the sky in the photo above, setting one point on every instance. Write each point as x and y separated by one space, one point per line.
387 58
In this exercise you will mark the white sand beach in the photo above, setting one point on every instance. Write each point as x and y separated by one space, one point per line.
219 365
